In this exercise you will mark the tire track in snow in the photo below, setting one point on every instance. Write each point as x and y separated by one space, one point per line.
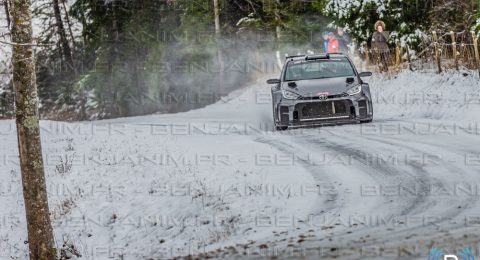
466 204
418 168
333 200
416 173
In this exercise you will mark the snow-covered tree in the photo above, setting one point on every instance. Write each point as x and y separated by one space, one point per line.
406 19
454 15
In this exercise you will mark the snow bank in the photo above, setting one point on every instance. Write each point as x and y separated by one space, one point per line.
423 95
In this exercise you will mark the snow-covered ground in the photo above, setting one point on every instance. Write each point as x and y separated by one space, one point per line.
219 180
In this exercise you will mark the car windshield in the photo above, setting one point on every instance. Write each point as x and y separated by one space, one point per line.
318 69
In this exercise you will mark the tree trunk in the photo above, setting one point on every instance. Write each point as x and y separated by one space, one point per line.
67 53
69 23
83 98
40 234
216 8
218 34
114 107
278 20
7 12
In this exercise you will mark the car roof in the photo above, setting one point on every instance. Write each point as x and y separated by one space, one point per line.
321 56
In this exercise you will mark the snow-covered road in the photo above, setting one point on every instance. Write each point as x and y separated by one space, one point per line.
219 180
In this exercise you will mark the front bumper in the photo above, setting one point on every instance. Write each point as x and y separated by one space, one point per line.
307 112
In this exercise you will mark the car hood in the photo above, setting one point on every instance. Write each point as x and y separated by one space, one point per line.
316 87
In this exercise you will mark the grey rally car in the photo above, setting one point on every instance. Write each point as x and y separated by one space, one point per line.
320 90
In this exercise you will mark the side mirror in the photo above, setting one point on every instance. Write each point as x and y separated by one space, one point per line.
365 74
273 81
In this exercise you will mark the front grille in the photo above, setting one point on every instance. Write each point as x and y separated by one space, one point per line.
328 97
324 109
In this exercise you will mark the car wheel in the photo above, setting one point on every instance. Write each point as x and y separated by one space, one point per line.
281 128
367 121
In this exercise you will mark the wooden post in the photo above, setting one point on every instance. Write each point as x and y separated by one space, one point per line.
408 58
397 53
454 47
437 52
475 45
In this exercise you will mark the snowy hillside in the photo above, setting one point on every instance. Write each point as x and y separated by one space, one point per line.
161 186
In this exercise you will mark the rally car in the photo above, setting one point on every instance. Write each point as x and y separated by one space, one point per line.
320 90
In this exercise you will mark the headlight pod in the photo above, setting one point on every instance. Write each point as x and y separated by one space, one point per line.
355 90
290 95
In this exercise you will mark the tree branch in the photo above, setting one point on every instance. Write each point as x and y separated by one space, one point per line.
26 44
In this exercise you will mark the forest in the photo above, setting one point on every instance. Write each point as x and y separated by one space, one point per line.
107 59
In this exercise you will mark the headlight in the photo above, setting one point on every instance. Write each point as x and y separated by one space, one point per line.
289 95
355 90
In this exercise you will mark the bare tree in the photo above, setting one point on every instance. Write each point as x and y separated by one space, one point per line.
40 234
454 15
216 7
67 52
218 34
67 19
278 19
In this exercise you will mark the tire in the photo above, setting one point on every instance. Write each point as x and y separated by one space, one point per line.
278 128
367 121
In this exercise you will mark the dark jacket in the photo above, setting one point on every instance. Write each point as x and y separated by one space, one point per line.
343 42
379 42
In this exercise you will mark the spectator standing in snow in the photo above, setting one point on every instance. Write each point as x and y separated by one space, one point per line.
325 42
332 43
343 40
380 45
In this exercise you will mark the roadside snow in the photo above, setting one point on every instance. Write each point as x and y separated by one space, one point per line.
172 185
125 187
411 95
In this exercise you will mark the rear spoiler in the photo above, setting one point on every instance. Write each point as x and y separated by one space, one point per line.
323 56
295 56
